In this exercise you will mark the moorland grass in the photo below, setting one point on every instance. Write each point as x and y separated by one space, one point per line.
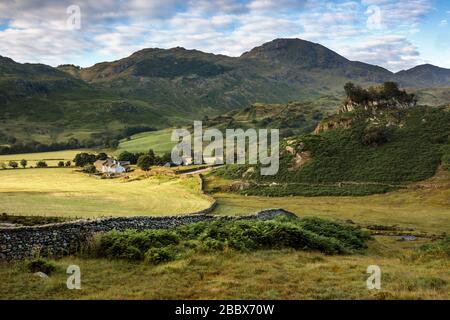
233 274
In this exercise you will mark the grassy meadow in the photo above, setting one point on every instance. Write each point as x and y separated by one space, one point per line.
262 274
64 192
159 141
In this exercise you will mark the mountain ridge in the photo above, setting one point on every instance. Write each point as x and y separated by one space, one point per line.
166 87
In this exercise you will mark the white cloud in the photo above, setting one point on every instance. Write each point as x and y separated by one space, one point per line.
111 29
392 52
443 23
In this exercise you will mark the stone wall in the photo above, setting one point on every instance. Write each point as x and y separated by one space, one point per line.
65 238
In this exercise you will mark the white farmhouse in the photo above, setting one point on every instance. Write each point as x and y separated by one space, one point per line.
111 166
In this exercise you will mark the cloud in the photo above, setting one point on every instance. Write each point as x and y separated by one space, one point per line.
443 23
36 30
392 52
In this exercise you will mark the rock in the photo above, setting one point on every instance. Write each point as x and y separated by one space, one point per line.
41 275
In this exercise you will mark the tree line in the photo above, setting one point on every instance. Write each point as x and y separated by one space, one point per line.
100 140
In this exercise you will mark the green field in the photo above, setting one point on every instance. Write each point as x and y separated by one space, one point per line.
65 193
159 141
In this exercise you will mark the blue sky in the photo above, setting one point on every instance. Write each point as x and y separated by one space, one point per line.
393 34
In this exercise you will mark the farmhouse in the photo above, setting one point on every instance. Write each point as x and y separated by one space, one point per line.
111 166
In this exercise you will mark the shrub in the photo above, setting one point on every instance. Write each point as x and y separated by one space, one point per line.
89 169
156 246
41 164
40 265
159 255
68 164
374 136
438 248
13 164
61 164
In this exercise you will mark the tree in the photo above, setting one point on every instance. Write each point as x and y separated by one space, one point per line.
23 163
41 164
61 164
152 156
102 156
144 162
83 159
13 164
90 169
68 163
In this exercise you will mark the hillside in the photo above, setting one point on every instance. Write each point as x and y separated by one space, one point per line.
369 148
161 88
292 118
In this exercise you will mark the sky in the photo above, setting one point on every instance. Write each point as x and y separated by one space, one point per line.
394 34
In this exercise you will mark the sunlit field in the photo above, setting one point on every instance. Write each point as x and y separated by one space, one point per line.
159 141
64 192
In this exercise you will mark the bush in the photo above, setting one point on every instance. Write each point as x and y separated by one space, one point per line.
40 265
13 164
158 246
374 136
41 164
90 169
159 255
61 164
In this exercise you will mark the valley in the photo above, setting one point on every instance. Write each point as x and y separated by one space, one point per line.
364 175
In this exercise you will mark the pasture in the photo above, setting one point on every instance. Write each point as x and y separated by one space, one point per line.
65 192
159 141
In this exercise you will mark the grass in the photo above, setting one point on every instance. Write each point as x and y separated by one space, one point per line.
66 193
52 158
424 206
159 141
230 274
338 162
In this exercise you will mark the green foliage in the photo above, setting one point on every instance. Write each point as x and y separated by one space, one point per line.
90 168
157 246
145 162
375 136
13 164
159 255
341 164
61 164
437 248
23 163
68 163
41 164
40 265
388 94
82 159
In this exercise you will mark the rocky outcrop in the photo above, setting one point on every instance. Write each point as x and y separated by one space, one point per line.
333 124
64 238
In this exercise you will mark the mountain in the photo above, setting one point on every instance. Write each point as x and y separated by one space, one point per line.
424 76
161 88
